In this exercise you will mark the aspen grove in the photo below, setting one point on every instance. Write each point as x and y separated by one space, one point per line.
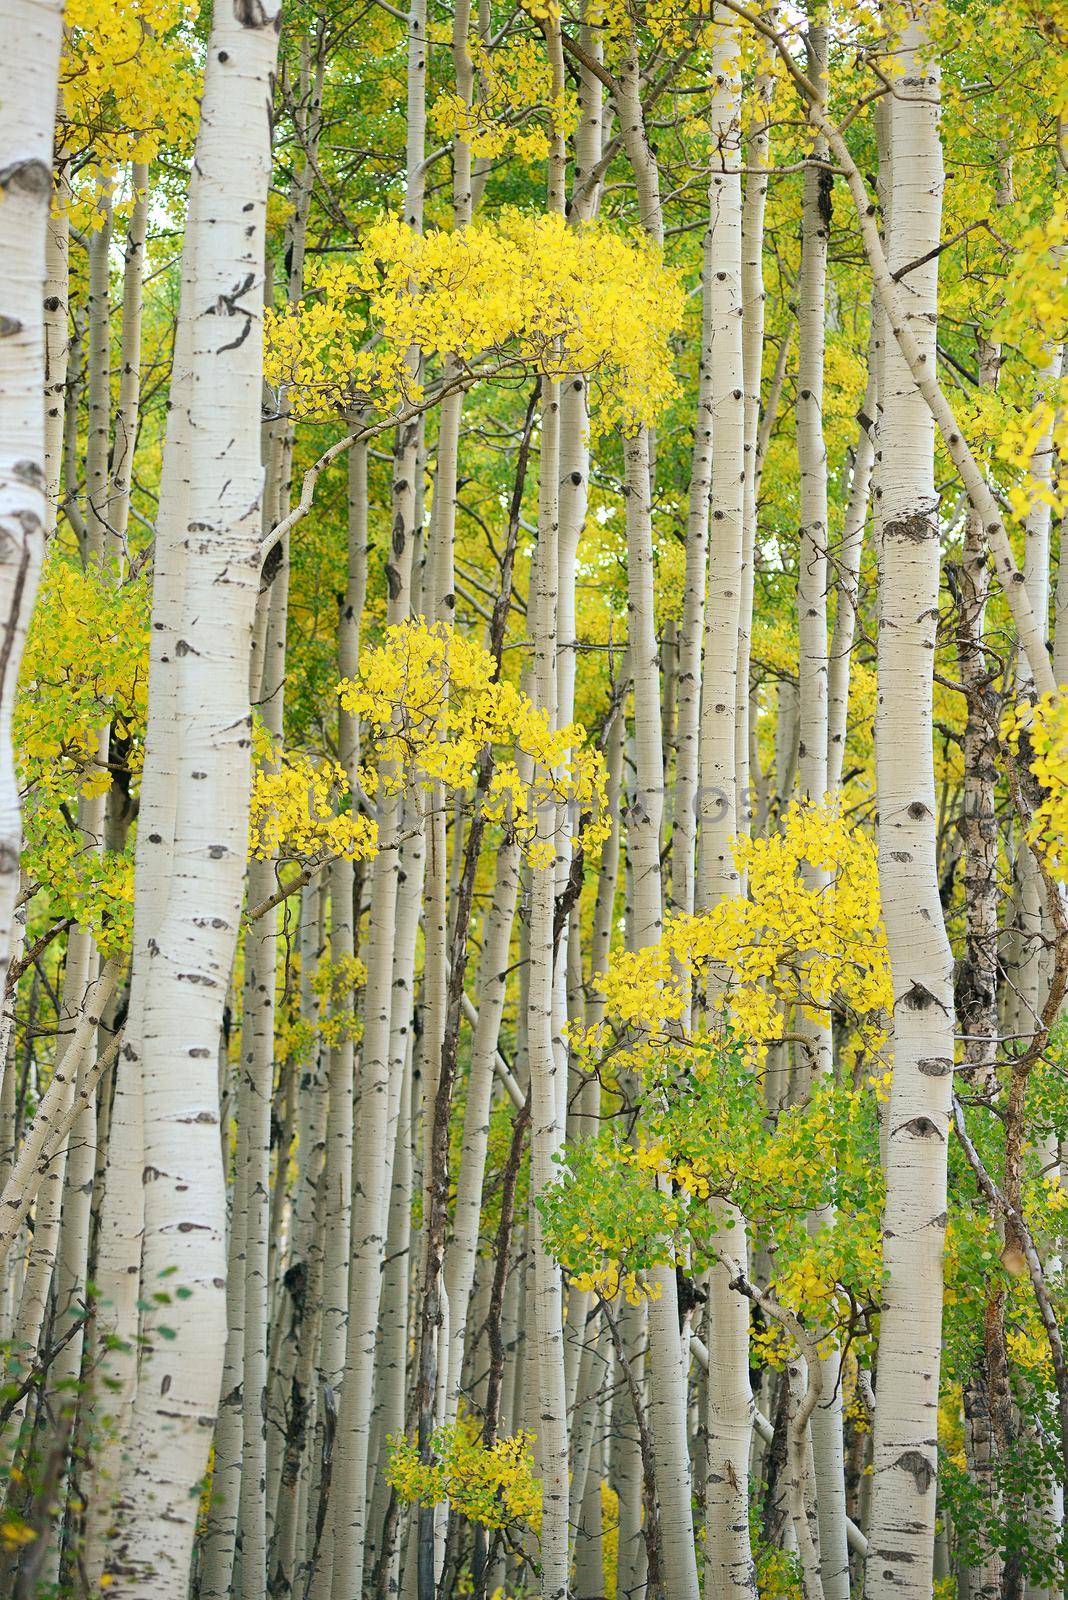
533 799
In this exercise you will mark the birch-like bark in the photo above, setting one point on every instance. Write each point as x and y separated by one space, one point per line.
492 992
40 1175
69 1289
351 619
717 808
757 148
40 1137
126 418
289 1524
297 1308
546 1124
220 1533
118 1262
29 1329
97 538
192 954
626 1455
896 305
341 1558
31 30
667 1375
667 1368
847 582
337 1188
728 1557
391 1368
901 1537
340 1565
812 451
684 831
56 341
813 743
254 1102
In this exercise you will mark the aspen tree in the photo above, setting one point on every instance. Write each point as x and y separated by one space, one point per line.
339 1569
811 448
754 205
492 992
435 1329
574 505
119 1247
728 1556
256 1081
98 360
668 1372
177 1393
295 1401
667 1366
977 986
102 551
128 412
825 1424
57 339
684 819
546 1125
31 30
901 1538
847 563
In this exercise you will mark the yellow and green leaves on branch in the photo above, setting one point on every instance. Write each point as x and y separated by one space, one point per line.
128 88
431 703
621 1207
299 806
790 942
493 1486
85 670
791 947
128 83
1049 744
512 293
514 109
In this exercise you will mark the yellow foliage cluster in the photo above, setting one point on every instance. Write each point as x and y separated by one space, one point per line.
294 807
1049 763
495 1487
128 79
609 1281
432 701
778 1575
85 669
1025 436
14 1532
853 1255
1035 311
674 24
335 982
793 939
516 288
515 98
85 665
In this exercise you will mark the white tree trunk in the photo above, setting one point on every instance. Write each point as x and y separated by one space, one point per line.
847 584
900 1561
31 30
126 418
728 1558
118 1264
546 1123
97 538
757 147
492 992
192 952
